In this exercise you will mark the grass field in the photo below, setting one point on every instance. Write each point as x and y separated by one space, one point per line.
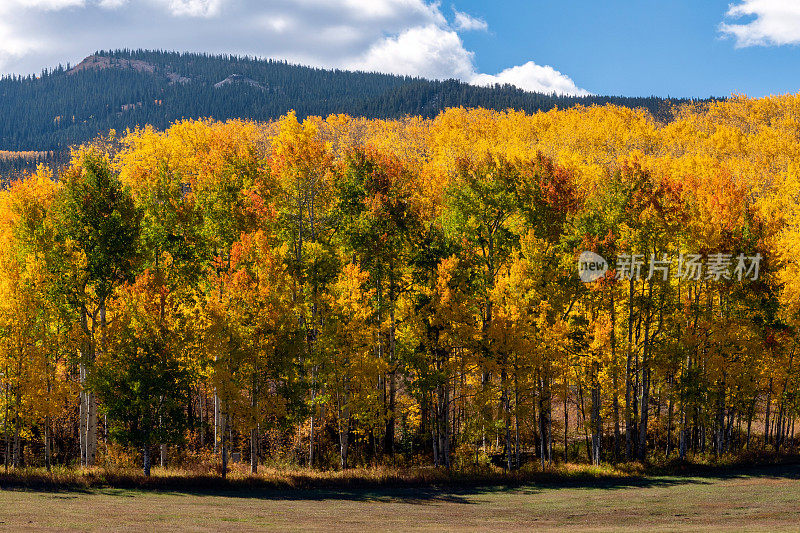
764 498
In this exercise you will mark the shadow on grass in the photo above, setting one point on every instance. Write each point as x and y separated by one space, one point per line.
414 487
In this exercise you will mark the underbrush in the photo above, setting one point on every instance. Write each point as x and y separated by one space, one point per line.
288 477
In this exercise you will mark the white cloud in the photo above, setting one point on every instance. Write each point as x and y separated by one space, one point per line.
16 44
112 4
410 37
277 23
428 51
386 11
194 8
465 22
438 53
43 4
8 8
533 77
776 22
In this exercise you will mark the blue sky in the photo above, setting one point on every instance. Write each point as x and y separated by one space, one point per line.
635 48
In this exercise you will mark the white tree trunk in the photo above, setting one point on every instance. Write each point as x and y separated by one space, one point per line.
218 429
146 460
344 436
223 446
82 415
47 458
88 415
91 429
254 450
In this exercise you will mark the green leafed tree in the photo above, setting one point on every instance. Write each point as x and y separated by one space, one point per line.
98 238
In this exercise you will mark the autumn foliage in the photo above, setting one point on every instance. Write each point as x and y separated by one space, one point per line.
345 291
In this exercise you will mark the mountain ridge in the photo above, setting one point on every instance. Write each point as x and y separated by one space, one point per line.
122 89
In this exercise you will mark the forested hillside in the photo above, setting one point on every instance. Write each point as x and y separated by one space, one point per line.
344 291
122 89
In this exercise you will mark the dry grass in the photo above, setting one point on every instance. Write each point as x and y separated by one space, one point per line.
4 154
285 478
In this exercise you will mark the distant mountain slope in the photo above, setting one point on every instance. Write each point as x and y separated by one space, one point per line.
121 89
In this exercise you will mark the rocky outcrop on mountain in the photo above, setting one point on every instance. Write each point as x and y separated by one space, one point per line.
239 79
101 62
98 62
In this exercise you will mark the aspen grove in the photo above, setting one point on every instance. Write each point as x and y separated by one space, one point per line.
336 292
